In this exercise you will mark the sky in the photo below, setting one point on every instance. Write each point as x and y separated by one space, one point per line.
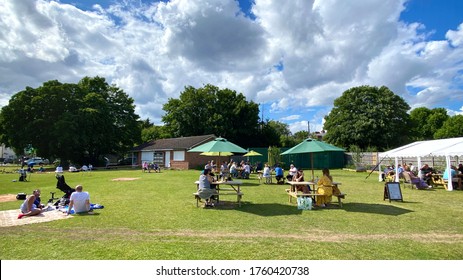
293 58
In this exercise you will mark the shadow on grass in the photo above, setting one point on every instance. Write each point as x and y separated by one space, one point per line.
268 209
249 184
262 209
86 214
381 209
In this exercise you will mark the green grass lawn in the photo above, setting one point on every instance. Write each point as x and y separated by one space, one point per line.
155 218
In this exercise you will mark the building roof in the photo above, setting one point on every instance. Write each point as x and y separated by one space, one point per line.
181 143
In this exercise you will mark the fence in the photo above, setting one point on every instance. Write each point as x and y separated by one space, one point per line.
369 160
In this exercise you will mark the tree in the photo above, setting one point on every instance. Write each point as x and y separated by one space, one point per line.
452 127
368 117
150 131
210 110
426 122
274 133
77 122
300 136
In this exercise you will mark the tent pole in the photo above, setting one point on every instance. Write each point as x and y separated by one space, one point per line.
449 173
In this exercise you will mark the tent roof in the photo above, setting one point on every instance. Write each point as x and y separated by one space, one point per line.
312 146
440 147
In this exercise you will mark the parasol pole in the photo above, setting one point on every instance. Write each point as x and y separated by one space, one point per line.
311 158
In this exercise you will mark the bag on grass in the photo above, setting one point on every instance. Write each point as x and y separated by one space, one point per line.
21 196
304 203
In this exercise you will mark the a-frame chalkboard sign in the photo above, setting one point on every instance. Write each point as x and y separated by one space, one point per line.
392 191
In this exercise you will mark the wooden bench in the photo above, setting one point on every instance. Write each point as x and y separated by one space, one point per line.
224 188
438 181
291 194
239 195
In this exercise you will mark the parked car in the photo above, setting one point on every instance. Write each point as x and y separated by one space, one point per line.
37 161
125 161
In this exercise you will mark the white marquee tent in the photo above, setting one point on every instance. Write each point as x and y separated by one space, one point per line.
451 147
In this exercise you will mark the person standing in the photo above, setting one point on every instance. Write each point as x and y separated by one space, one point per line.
266 174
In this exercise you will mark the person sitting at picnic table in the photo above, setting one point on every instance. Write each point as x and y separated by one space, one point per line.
29 207
460 168
266 174
224 171
299 177
291 172
417 181
426 173
156 167
246 171
233 170
388 173
205 188
279 174
145 166
400 169
326 189
453 176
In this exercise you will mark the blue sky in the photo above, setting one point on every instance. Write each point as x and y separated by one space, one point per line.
292 59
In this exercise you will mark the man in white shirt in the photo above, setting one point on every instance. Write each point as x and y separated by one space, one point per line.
292 172
80 201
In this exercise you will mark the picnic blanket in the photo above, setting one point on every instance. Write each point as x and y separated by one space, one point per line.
9 218
92 206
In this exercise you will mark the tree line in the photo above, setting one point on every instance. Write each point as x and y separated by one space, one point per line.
83 122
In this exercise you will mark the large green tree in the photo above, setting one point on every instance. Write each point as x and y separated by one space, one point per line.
151 132
452 127
210 110
426 122
368 117
77 122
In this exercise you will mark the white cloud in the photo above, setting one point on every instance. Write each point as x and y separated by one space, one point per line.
297 56
455 37
291 118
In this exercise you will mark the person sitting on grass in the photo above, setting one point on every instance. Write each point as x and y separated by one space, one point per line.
80 201
28 207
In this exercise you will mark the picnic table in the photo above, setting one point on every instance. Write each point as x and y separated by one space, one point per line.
294 193
224 188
